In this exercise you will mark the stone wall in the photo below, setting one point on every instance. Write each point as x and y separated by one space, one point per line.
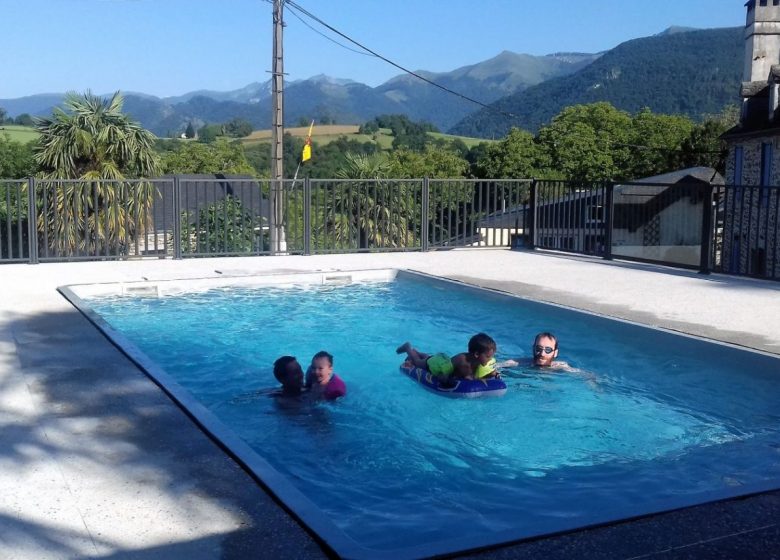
751 225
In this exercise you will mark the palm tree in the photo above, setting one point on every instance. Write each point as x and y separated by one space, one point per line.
369 211
87 154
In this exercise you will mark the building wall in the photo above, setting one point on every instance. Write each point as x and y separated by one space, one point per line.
751 225
751 161
678 236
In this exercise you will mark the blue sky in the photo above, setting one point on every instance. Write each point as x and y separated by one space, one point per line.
170 47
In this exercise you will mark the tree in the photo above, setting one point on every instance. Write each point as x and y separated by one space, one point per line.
24 120
654 142
16 162
704 146
238 128
588 142
189 132
3 115
16 159
368 128
223 156
208 133
99 146
432 162
367 211
517 156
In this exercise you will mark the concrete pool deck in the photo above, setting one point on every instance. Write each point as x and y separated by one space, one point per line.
96 461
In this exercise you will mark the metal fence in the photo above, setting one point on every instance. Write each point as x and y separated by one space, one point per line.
731 229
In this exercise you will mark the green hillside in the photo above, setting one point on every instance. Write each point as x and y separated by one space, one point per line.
325 134
690 73
17 133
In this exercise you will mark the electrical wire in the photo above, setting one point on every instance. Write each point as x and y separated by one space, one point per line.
368 52
308 14
331 39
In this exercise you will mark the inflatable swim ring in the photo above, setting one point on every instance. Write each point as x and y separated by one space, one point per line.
462 388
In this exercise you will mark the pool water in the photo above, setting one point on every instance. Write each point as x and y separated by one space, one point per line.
650 420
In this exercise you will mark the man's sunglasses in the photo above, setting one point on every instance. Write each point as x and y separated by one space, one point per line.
545 349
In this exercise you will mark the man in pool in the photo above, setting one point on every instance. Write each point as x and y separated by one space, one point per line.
477 363
544 350
289 373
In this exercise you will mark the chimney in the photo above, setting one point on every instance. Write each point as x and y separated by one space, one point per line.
762 39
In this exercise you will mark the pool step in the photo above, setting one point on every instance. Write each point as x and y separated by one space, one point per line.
338 279
146 290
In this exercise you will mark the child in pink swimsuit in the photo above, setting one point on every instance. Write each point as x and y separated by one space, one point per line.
320 379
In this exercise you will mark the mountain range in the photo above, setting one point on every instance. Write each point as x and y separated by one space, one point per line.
678 71
687 72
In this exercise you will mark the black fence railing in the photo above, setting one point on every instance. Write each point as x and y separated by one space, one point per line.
691 223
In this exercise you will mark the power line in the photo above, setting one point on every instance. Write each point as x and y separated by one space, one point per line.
308 14
295 7
331 39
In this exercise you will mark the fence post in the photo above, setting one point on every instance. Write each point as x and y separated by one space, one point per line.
425 222
706 230
531 214
609 215
177 218
306 216
32 222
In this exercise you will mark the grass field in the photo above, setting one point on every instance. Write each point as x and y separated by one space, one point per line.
469 141
19 133
326 133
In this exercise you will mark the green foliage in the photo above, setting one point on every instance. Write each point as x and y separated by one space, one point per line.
223 156
516 156
432 162
222 227
235 128
16 159
24 120
210 132
367 216
259 156
94 141
402 125
408 134
587 142
655 140
703 146
3 115
238 128
13 211
189 132
325 162
369 128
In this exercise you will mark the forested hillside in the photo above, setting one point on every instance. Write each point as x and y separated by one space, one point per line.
690 73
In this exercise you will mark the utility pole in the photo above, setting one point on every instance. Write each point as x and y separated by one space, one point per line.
278 242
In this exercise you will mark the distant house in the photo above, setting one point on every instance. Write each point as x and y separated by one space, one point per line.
570 222
654 218
753 143
660 218
750 244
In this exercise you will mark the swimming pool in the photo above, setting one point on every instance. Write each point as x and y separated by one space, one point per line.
653 421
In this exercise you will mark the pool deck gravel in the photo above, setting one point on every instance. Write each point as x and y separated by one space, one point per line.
97 462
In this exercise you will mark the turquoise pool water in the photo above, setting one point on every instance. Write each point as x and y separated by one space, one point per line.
652 420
